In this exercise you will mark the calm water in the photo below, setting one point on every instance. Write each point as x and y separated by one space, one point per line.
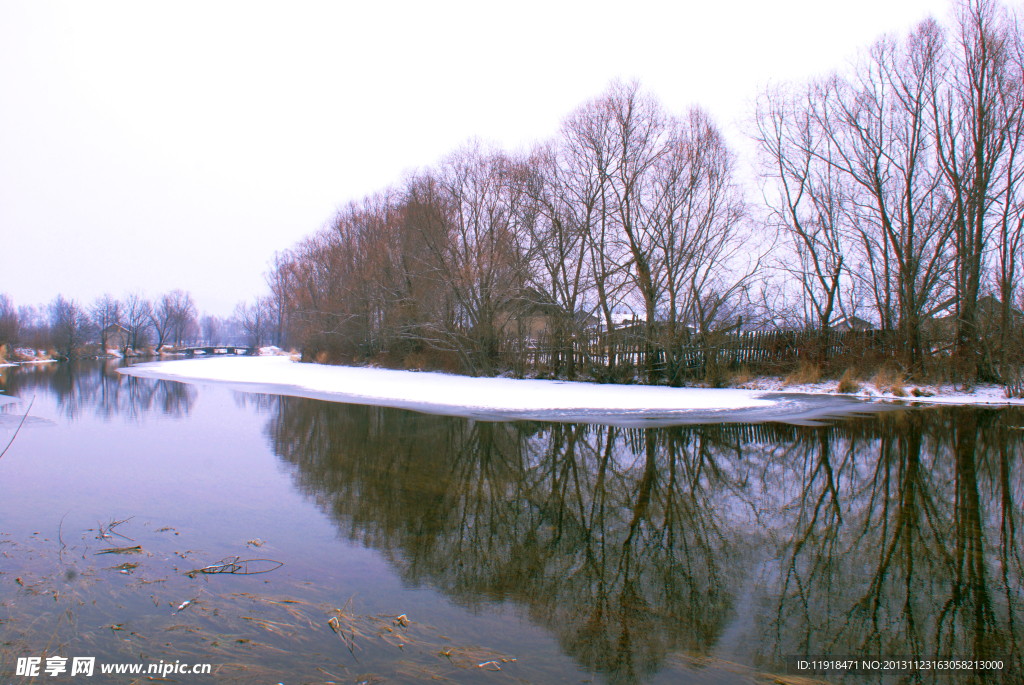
416 548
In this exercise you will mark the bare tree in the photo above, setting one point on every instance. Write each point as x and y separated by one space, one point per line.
211 327
975 117
9 321
588 140
256 319
34 326
638 130
876 126
695 214
106 312
666 189
806 199
173 317
136 317
184 325
557 221
69 326
467 220
1010 221
278 279
161 318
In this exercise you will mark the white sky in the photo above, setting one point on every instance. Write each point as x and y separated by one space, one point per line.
178 145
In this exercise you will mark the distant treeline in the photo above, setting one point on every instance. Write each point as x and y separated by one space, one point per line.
891 200
131 325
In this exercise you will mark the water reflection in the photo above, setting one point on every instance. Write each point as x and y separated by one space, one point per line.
896 534
96 387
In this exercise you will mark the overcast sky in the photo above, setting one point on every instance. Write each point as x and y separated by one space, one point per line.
178 145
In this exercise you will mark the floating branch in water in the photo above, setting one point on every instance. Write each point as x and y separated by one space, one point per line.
19 427
126 567
121 550
110 532
238 566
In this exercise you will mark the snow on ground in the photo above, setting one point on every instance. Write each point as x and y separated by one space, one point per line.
271 350
503 398
982 395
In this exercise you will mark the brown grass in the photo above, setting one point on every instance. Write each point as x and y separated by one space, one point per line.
805 373
1014 382
889 380
741 377
848 382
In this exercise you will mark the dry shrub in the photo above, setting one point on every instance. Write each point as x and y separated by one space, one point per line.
848 382
889 380
715 376
742 376
430 359
805 373
323 358
416 361
1014 382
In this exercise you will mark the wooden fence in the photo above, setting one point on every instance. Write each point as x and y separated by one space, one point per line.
695 354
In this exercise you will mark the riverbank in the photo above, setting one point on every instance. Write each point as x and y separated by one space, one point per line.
764 399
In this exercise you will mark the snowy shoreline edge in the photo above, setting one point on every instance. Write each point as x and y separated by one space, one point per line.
505 399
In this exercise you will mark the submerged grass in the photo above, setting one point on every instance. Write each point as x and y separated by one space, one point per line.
148 609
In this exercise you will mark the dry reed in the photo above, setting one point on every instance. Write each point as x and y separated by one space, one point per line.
848 382
804 373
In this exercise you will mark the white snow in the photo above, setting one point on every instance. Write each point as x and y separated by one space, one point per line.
980 395
498 398
271 350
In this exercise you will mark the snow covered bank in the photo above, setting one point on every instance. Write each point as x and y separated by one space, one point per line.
503 398
981 395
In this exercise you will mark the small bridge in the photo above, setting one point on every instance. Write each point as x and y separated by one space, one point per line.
217 350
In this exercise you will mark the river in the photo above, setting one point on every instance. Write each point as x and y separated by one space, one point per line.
291 540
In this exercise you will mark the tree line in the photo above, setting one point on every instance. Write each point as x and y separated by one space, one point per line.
633 208
132 324
891 197
897 184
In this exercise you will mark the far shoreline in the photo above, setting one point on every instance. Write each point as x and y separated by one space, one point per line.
502 399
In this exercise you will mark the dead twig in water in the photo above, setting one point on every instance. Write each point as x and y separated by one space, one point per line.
121 550
237 566
60 537
114 523
126 567
11 441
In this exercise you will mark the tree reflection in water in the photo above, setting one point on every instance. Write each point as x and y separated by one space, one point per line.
900 538
893 534
97 387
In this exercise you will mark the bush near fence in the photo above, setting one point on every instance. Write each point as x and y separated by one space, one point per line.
698 357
